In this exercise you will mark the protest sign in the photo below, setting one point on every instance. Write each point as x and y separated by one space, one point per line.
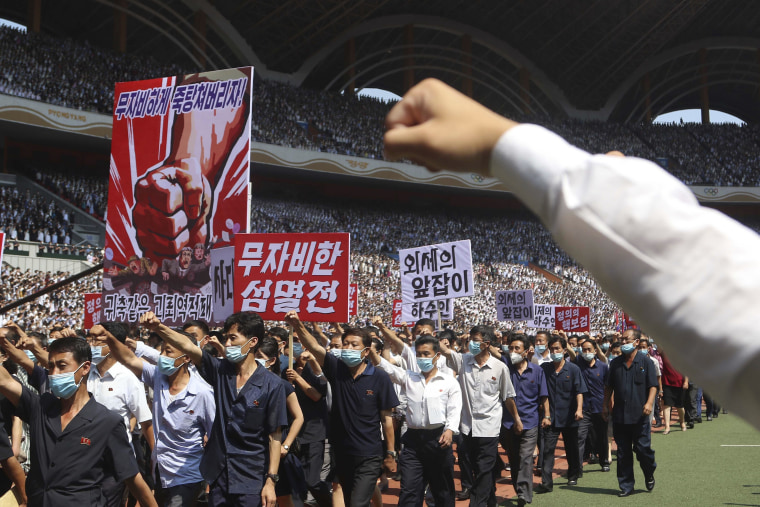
398 309
572 318
223 283
91 309
435 272
543 317
514 305
428 310
2 245
178 188
353 298
306 273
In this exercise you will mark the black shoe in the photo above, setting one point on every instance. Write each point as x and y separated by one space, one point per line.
709 418
716 414
521 502
690 425
541 489
464 494
622 494
650 483
605 468
572 482
699 420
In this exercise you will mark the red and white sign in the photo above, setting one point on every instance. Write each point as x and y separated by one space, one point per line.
398 312
353 298
2 245
178 188
572 318
307 273
91 309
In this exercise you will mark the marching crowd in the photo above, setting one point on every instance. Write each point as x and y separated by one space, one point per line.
236 417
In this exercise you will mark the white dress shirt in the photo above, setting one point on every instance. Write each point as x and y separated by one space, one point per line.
484 389
688 274
429 404
120 390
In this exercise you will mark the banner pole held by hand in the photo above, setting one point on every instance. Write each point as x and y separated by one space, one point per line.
440 324
290 346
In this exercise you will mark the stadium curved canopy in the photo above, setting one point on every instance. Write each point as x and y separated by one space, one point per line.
623 60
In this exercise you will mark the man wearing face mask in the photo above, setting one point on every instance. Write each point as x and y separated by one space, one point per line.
77 440
362 400
566 388
114 386
595 373
242 455
633 384
433 411
486 391
183 414
542 351
530 394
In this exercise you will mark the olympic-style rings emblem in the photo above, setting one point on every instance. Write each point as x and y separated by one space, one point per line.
711 191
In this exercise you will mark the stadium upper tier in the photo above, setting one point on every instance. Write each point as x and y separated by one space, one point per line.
80 76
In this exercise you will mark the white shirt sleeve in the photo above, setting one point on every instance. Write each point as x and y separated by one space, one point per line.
454 408
148 353
397 375
688 274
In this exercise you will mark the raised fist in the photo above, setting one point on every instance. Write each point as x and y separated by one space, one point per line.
172 204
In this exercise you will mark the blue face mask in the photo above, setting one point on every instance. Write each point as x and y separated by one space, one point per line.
351 357
589 356
63 385
540 349
31 356
166 365
234 352
335 352
97 355
297 349
605 347
475 348
644 352
425 364
627 348
578 350
262 362
505 348
557 357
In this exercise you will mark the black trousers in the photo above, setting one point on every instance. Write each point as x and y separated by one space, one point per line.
570 438
465 469
422 462
358 477
596 426
690 403
312 456
483 452
630 439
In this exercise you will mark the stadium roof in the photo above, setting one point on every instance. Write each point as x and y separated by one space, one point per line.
588 58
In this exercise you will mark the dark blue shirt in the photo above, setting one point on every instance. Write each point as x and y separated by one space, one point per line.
564 387
314 412
631 387
356 405
596 378
530 387
240 436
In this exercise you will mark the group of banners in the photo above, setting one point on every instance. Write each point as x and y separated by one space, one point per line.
177 240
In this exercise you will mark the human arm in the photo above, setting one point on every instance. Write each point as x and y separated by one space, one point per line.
145 352
9 387
123 354
579 407
453 415
320 334
607 407
389 462
639 231
27 343
173 338
268 495
511 407
146 428
140 491
397 344
301 383
546 419
648 406
17 355
308 341
15 473
294 409
17 432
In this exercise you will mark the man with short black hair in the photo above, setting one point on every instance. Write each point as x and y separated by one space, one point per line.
76 439
362 400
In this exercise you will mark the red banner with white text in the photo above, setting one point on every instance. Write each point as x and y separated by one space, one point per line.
572 319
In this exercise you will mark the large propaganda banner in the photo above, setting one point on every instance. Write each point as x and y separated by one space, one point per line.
92 309
572 319
303 272
180 160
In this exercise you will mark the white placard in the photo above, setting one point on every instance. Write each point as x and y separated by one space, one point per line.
436 272
428 310
514 305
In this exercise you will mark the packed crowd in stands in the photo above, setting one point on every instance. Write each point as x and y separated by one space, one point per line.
28 216
32 67
88 193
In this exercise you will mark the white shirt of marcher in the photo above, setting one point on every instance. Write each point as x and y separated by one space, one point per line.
484 389
120 390
688 274
430 404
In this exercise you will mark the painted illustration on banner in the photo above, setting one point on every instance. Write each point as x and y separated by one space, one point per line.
180 160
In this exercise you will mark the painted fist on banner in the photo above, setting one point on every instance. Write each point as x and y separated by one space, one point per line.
171 210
